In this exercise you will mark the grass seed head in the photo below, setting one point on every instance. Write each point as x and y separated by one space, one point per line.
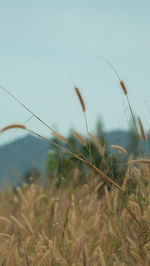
80 99
59 136
142 129
13 126
100 148
123 87
79 137
119 148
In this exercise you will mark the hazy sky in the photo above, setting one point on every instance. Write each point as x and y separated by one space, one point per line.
44 43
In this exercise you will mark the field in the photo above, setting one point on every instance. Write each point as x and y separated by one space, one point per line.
94 222
74 225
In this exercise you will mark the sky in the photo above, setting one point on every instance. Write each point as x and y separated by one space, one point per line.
44 45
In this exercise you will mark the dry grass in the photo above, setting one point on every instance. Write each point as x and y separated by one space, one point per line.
59 136
86 225
142 129
74 226
98 145
79 137
16 126
124 87
80 99
119 148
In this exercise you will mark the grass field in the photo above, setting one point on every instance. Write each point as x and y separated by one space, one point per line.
98 222
75 225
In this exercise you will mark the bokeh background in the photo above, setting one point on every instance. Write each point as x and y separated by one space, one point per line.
43 44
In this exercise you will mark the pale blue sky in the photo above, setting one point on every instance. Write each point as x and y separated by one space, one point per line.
43 43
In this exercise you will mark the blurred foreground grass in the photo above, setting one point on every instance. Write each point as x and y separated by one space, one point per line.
77 224
102 220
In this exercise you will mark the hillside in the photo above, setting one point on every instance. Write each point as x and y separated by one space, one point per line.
30 152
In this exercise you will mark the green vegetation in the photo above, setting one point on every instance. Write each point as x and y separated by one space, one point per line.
60 165
94 209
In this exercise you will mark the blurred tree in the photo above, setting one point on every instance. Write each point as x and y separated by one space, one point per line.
32 176
100 132
61 164
134 140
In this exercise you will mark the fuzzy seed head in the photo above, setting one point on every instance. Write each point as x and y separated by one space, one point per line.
80 99
12 126
142 129
79 137
123 87
59 136
119 148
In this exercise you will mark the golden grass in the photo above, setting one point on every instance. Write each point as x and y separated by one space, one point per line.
98 145
80 224
12 127
79 137
59 136
124 87
73 226
119 148
142 129
80 99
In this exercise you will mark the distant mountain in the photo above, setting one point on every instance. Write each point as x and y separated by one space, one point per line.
21 155
31 152
118 137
